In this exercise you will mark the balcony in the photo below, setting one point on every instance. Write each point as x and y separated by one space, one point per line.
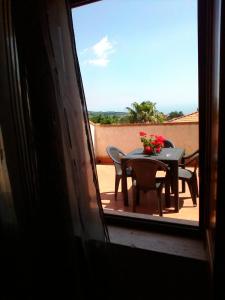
183 133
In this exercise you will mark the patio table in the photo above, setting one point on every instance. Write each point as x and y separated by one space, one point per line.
170 156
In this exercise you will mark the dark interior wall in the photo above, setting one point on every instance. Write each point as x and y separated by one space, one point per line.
139 274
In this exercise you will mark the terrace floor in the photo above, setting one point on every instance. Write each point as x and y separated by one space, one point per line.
148 204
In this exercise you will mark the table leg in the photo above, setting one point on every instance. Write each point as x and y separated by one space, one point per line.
167 190
124 183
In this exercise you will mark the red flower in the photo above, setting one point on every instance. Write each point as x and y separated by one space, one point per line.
160 138
152 143
148 149
158 149
142 133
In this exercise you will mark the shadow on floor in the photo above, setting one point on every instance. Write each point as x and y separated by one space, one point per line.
148 203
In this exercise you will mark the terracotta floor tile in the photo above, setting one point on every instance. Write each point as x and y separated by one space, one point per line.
148 202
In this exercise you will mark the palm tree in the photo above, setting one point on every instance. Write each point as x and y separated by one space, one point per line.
144 112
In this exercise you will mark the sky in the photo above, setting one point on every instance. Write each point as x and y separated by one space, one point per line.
138 50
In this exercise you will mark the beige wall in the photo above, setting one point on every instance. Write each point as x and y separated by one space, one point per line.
92 127
126 137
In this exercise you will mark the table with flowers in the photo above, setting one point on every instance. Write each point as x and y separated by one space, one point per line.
170 156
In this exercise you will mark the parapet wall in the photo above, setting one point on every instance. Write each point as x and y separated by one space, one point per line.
126 136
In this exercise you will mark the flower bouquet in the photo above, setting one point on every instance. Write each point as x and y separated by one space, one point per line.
152 143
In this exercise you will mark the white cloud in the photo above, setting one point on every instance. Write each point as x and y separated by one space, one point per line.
99 53
102 48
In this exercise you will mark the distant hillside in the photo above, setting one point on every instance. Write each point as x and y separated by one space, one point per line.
107 113
108 117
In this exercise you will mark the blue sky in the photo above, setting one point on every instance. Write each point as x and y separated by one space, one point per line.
138 50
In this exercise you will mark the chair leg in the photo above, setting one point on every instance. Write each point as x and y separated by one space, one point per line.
160 206
135 196
159 194
167 191
192 192
183 186
195 184
172 189
117 182
171 185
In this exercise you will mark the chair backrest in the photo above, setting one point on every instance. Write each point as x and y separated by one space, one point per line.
192 160
115 154
144 172
168 144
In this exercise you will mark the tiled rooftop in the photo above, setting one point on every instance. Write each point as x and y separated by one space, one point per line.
193 117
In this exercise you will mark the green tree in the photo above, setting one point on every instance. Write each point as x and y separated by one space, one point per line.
174 114
103 118
144 112
124 119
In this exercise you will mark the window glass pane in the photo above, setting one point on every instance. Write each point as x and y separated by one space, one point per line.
139 65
